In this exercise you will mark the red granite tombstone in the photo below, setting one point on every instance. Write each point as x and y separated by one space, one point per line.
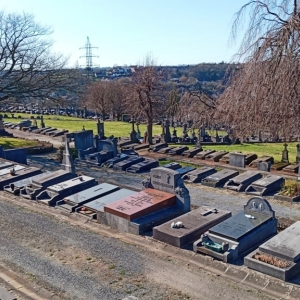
140 204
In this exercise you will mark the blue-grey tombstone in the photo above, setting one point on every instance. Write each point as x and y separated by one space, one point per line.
84 139
237 160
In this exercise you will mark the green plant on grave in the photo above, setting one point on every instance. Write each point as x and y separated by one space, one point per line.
60 151
290 189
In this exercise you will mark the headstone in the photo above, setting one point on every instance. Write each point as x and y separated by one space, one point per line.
298 154
237 160
220 178
166 149
67 162
191 225
133 137
172 166
270 159
185 170
84 139
242 181
166 135
264 166
138 133
198 174
265 186
157 147
285 154
239 234
279 256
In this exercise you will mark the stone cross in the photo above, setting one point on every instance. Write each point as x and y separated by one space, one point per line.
285 154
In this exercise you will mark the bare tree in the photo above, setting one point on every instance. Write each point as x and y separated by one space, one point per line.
27 66
263 92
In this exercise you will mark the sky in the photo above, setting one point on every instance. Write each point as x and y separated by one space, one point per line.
174 32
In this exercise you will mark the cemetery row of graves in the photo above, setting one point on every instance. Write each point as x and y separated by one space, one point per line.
163 208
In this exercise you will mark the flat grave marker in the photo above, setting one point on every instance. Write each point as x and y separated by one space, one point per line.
203 154
198 174
220 178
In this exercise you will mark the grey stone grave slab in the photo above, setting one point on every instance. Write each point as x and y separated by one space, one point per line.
250 157
157 147
143 166
123 165
72 202
39 184
184 170
172 166
195 223
46 132
282 249
191 152
225 159
18 175
110 163
59 133
66 188
142 146
6 164
292 168
237 159
253 164
279 166
178 150
265 186
241 233
216 156
166 149
45 129
242 181
264 166
95 208
203 154
124 143
220 178
198 174
13 168
16 186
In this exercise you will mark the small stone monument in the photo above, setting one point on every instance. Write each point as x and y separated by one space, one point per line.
285 154
132 136
138 133
100 129
42 122
68 163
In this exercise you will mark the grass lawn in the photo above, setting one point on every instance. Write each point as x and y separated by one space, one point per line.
10 143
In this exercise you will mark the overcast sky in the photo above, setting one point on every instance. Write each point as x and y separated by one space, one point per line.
174 31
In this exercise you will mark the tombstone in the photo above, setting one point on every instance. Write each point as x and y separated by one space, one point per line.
157 147
72 202
254 163
241 233
204 153
266 185
191 152
17 155
39 184
166 149
237 160
143 166
189 226
3 132
60 190
264 166
15 186
110 163
292 168
48 131
174 137
220 178
67 162
197 175
172 166
215 156
138 133
285 154
242 181
42 122
178 150
279 256
95 209
250 157
84 139
298 154
133 137
166 135
225 159
145 137
123 165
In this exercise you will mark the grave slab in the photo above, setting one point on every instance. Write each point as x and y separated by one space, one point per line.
242 181
250 157
191 152
157 147
216 156
265 186
16 186
18 175
198 174
39 184
225 159
143 166
253 164
292 168
123 165
203 154
279 256
110 163
178 150
241 233
95 208
8 170
195 223
279 166
237 159
220 178
185 170
140 204
173 166
58 191
166 149
6 164
72 202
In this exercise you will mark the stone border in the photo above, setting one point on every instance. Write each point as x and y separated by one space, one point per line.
286 198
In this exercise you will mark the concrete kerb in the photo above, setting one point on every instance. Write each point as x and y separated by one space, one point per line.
265 283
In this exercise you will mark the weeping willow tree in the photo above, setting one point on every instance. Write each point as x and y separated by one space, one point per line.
262 94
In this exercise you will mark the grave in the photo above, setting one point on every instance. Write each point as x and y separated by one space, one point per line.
242 181
198 174
16 186
225 159
143 166
220 178
83 139
191 152
250 157
278 166
17 174
17 155
264 166
11 170
280 256
110 163
216 156
241 233
266 185
6 164
39 184
57 191
59 133
95 209
67 162
237 159
44 132
166 149
204 153
124 164
157 147
72 202
253 164
172 166
166 135
189 226
293 168
178 150
184 170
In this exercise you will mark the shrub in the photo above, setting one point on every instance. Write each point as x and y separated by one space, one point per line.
19 117
291 189
60 150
